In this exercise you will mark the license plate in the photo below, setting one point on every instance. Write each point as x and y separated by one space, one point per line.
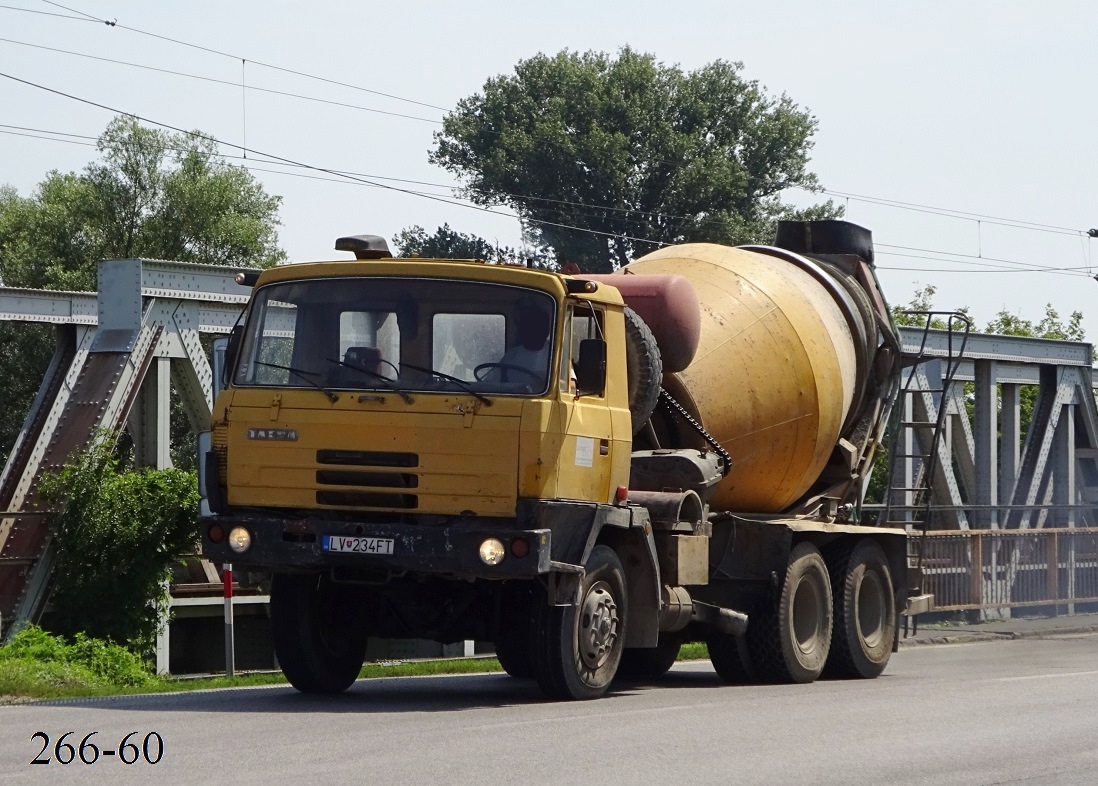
358 545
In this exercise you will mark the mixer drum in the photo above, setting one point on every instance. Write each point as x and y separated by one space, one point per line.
775 373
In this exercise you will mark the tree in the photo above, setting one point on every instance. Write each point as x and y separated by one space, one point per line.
446 243
608 157
150 194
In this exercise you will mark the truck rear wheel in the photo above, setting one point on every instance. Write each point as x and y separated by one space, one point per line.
579 648
318 632
791 642
865 611
653 662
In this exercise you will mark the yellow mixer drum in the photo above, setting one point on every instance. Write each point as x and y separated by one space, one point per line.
775 372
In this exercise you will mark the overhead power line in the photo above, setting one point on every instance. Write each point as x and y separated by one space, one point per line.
950 212
989 264
234 85
292 162
85 17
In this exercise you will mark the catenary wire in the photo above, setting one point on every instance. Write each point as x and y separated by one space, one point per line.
946 212
342 177
282 159
950 212
235 85
114 23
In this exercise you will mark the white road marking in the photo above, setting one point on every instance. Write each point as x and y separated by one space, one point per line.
1046 676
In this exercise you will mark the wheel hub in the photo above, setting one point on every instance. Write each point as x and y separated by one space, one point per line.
598 625
871 609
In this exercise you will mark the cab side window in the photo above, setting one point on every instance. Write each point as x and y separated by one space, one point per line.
584 322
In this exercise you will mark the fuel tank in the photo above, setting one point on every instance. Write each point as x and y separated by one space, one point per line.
784 355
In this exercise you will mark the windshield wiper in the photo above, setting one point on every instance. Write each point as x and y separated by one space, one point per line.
461 383
305 375
389 384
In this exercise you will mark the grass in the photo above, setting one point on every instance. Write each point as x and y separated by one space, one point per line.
38 666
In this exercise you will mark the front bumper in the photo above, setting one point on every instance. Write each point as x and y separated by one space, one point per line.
442 550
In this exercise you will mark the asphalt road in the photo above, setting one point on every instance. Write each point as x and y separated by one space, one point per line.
1000 712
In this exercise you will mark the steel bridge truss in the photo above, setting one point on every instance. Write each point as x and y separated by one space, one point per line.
118 352
991 475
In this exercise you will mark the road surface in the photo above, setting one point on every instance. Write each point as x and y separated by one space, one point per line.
1001 712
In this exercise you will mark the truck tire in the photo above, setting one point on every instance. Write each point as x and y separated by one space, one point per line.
791 642
318 635
644 369
579 648
865 611
515 651
731 658
653 662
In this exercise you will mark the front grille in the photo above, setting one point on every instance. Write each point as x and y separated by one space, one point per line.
367 499
377 480
219 442
345 477
367 458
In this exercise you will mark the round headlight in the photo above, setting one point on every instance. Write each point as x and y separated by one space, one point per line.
240 540
491 552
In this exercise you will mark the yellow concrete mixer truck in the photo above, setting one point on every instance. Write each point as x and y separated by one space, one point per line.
585 470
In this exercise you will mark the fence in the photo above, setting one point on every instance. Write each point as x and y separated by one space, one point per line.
994 569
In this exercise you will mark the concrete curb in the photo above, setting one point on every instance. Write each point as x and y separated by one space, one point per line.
971 636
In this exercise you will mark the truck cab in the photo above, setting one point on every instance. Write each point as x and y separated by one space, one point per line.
395 434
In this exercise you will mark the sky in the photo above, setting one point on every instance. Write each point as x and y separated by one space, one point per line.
960 133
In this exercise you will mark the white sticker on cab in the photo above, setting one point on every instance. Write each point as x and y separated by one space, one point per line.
585 451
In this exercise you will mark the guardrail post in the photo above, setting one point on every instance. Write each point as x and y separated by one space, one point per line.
230 643
1052 562
976 574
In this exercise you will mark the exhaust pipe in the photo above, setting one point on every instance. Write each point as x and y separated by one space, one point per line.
678 610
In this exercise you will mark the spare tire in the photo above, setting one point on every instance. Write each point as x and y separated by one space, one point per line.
644 369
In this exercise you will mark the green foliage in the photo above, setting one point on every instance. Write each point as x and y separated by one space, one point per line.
447 243
1050 325
150 194
116 535
923 301
105 662
631 148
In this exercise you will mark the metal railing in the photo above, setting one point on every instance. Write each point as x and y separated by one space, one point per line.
995 569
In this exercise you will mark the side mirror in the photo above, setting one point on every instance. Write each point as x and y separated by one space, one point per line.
220 346
590 368
232 348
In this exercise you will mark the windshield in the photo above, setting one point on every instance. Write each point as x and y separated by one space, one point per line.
399 334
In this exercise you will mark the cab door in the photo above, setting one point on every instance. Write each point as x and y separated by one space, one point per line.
586 469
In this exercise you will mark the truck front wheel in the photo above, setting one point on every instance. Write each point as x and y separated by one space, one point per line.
791 642
515 651
579 648
865 611
318 632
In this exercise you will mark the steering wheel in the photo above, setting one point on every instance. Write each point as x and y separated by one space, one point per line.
505 367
